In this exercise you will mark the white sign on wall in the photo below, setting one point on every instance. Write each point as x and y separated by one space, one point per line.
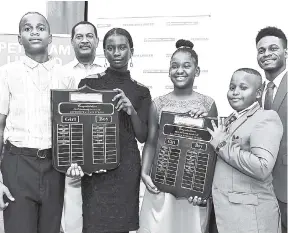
154 41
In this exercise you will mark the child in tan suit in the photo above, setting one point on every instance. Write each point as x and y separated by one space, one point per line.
247 149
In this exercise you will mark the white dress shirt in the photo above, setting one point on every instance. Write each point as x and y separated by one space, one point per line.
25 98
237 115
72 209
241 113
277 82
79 71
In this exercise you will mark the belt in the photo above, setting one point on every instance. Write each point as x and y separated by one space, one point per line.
42 154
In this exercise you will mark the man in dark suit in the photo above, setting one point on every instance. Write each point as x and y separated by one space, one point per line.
272 53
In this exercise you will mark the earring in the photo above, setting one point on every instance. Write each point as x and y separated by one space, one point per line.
105 64
131 63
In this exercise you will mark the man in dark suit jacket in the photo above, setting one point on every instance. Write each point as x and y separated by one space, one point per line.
271 45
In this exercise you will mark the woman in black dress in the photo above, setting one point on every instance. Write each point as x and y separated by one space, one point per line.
111 199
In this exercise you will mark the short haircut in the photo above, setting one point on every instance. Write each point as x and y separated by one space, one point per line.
186 46
253 72
83 23
118 31
272 31
249 71
33 13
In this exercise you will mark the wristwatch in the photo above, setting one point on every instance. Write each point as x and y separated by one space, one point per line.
220 145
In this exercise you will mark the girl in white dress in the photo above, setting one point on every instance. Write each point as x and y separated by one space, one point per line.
161 212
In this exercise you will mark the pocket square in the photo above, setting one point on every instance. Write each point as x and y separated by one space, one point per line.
236 139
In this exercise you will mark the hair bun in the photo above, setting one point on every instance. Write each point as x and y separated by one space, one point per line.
184 43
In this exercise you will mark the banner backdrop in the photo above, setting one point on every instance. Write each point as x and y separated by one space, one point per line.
154 41
11 50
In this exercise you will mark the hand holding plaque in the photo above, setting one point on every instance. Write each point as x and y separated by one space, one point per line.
74 171
197 201
198 112
122 102
149 184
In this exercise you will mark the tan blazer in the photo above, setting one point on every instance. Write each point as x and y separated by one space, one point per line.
280 169
243 195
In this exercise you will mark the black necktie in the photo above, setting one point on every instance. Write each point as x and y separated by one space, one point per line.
269 96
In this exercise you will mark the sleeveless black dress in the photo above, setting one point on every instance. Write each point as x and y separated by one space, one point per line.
111 200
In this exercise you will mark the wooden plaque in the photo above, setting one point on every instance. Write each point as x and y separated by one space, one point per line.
184 162
85 129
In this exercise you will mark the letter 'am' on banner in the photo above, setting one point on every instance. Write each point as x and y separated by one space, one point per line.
11 50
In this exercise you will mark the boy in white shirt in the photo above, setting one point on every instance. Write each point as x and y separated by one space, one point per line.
35 190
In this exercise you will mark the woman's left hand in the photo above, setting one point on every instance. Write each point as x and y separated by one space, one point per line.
123 102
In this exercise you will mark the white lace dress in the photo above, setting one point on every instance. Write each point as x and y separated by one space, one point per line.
163 213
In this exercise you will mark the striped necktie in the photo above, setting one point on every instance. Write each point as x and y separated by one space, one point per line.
230 120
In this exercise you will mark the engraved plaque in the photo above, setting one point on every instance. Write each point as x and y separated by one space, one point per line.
184 161
85 129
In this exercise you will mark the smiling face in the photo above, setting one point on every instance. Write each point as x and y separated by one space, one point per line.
84 41
118 52
271 54
183 70
244 89
34 34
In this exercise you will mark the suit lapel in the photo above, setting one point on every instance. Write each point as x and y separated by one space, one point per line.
243 118
262 88
280 94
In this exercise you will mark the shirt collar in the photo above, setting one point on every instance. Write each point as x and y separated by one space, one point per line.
278 79
239 114
48 65
75 63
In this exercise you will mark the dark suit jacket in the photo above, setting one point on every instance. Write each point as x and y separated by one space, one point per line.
280 169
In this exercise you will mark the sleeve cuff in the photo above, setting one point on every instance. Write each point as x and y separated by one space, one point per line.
4 112
214 143
217 145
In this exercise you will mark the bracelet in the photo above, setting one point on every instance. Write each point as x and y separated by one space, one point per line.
220 145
